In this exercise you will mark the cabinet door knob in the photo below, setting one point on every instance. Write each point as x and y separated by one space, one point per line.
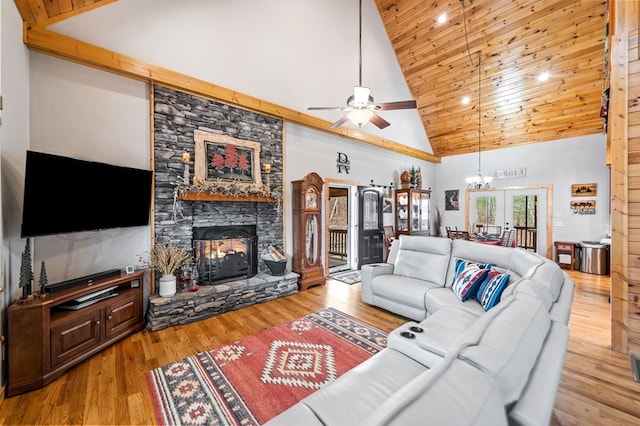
98 322
109 317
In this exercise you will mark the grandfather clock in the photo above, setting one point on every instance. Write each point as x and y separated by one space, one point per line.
307 235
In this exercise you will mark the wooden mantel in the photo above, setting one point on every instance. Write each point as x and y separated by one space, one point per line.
208 196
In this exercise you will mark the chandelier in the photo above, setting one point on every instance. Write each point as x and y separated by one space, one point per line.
478 181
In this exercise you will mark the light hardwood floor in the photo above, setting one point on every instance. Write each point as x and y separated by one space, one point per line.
597 387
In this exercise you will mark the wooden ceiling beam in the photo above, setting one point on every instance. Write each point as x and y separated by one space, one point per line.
45 41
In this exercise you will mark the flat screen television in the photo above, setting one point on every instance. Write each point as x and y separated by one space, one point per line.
64 195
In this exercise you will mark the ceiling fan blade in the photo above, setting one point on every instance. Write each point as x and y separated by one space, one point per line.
384 106
380 122
325 108
339 122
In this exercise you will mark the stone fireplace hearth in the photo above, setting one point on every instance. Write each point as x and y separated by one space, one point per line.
186 306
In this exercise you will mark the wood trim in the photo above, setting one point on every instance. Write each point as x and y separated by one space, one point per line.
618 128
50 43
207 196
549 189
152 161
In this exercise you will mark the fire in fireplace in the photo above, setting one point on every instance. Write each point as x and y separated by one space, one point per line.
224 252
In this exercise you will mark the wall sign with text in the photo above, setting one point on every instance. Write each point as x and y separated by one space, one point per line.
518 172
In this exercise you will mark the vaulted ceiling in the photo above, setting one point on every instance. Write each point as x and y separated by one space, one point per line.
515 41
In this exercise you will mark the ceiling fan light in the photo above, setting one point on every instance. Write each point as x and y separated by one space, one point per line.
361 96
359 117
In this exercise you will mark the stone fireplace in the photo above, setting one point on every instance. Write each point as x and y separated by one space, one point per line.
225 252
227 232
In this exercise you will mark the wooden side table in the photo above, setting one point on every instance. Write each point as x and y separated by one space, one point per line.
566 248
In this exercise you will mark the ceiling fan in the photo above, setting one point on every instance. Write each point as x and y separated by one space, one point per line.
361 106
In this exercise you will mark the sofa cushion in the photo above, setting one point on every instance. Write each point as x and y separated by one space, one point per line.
506 341
362 389
397 288
535 405
453 393
523 263
491 289
424 258
438 298
468 281
550 277
561 310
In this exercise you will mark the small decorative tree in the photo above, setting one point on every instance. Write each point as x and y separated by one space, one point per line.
230 157
26 271
43 278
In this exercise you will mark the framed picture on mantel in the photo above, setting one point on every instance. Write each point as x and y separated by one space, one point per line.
226 160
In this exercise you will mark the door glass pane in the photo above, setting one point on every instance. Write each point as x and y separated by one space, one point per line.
486 207
525 220
370 210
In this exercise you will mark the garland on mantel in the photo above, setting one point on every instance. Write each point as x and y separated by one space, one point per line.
233 189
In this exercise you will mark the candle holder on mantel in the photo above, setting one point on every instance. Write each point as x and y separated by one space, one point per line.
185 160
267 172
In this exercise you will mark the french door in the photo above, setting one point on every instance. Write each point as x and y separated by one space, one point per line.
522 209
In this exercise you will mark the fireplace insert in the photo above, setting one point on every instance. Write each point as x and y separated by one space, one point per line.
225 252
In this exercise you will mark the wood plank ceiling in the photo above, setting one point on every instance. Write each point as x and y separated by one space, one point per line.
516 41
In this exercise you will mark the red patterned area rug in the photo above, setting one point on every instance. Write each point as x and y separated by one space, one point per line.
255 378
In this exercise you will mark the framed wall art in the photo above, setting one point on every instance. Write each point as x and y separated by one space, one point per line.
451 199
226 160
584 189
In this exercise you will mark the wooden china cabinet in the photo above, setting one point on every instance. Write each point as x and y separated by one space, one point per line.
307 231
412 211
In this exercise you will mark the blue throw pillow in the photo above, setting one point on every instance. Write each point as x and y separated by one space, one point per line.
491 289
468 281
462 264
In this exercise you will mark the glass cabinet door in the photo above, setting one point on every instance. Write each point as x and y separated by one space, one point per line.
415 212
424 212
402 213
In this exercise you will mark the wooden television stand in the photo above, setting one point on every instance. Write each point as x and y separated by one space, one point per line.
45 340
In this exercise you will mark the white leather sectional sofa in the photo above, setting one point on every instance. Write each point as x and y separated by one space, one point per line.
455 363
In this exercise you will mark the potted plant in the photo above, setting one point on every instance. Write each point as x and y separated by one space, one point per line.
166 259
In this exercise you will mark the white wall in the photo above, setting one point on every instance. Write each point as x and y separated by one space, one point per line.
15 140
80 112
559 163
14 134
308 150
295 53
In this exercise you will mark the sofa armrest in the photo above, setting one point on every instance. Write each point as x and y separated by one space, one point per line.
368 273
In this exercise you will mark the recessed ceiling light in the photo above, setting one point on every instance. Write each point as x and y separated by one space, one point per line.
442 18
466 100
544 76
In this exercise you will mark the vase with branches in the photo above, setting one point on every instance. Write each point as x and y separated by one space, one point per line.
166 259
